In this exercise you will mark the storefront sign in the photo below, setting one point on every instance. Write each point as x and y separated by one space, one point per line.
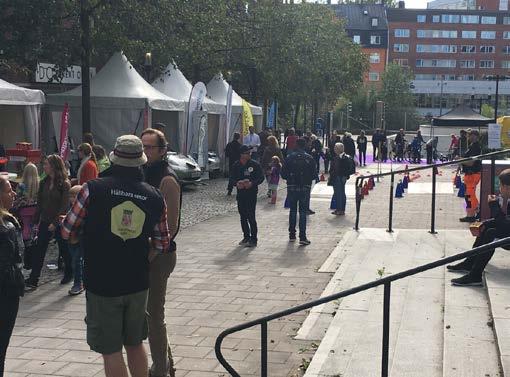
46 72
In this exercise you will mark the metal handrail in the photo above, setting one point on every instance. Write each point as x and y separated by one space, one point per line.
386 281
360 180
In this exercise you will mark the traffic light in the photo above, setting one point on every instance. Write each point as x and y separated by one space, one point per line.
349 107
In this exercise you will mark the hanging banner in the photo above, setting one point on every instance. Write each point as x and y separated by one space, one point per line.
494 136
196 98
198 144
64 133
505 131
228 115
247 120
271 115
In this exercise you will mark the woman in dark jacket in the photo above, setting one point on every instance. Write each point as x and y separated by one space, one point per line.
11 278
52 201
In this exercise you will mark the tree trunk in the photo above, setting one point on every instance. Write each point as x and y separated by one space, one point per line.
264 113
296 114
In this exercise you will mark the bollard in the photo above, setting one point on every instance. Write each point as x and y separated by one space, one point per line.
399 191
405 182
462 190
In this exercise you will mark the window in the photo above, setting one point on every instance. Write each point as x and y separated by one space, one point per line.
466 77
375 22
488 20
356 39
505 64
441 63
506 20
506 50
424 76
445 49
375 58
486 63
506 35
401 47
468 34
488 35
468 49
436 18
375 39
450 18
419 62
468 19
421 18
373 76
402 33
401 62
467 64
487 49
436 33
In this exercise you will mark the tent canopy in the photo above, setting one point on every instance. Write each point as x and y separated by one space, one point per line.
11 94
461 116
217 90
118 85
173 83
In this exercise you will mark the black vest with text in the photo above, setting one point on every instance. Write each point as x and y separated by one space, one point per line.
121 215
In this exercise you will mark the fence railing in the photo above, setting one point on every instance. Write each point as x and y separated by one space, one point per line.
359 184
386 281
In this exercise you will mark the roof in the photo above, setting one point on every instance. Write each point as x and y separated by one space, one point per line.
217 90
173 83
461 115
118 84
358 20
11 94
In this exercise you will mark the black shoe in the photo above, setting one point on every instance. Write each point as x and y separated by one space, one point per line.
60 264
460 267
310 212
229 193
30 285
66 279
244 241
468 219
468 281
252 243
304 241
292 237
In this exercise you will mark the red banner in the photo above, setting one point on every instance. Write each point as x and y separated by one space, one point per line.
64 133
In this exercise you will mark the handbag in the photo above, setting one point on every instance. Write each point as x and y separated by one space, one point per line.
12 282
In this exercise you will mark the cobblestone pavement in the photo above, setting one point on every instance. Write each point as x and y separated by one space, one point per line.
218 284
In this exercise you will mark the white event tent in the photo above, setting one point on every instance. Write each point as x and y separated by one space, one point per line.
20 115
119 99
173 83
217 90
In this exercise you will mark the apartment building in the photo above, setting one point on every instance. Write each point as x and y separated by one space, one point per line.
367 25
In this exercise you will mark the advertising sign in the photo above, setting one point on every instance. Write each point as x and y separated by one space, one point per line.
46 72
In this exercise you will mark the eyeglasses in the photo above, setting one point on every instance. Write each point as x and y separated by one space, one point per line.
151 147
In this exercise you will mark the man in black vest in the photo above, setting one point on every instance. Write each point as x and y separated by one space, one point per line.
159 174
121 222
232 152
299 171
247 175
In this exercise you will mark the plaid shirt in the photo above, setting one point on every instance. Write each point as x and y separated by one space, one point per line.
76 216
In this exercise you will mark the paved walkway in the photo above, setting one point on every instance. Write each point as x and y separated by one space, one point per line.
216 285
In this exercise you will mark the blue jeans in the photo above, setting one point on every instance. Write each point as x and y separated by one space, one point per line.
301 198
76 252
339 192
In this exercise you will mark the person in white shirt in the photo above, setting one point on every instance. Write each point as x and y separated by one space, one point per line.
252 140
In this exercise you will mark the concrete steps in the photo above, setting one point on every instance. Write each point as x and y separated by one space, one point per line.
429 334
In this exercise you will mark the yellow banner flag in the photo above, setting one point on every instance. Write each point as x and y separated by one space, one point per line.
505 131
247 120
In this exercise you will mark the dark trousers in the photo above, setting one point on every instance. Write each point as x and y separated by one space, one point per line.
317 158
9 310
299 199
362 156
246 206
476 264
43 240
230 186
63 251
374 146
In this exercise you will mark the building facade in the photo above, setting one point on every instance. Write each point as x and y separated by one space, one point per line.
367 25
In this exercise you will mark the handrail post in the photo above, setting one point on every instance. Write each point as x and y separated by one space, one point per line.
433 211
493 175
358 201
263 349
386 330
390 220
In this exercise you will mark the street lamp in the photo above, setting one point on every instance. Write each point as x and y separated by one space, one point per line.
442 83
148 66
498 78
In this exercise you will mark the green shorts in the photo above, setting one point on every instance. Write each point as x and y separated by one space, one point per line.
116 321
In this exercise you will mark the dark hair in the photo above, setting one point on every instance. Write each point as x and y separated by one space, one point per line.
159 126
237 135
475 132
99 151
86 149
59 169
162 142
301 142
504 177
88 138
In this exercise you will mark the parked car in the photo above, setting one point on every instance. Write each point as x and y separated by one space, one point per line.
213 164
185 167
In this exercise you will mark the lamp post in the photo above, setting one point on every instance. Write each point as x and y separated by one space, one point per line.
85 64
147 65
442 83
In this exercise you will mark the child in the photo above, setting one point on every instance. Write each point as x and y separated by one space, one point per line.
75 250
274 177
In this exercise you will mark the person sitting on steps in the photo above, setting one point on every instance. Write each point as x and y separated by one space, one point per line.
495 228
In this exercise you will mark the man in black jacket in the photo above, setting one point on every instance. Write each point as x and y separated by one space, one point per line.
232 152
497 227
246 175
299 171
